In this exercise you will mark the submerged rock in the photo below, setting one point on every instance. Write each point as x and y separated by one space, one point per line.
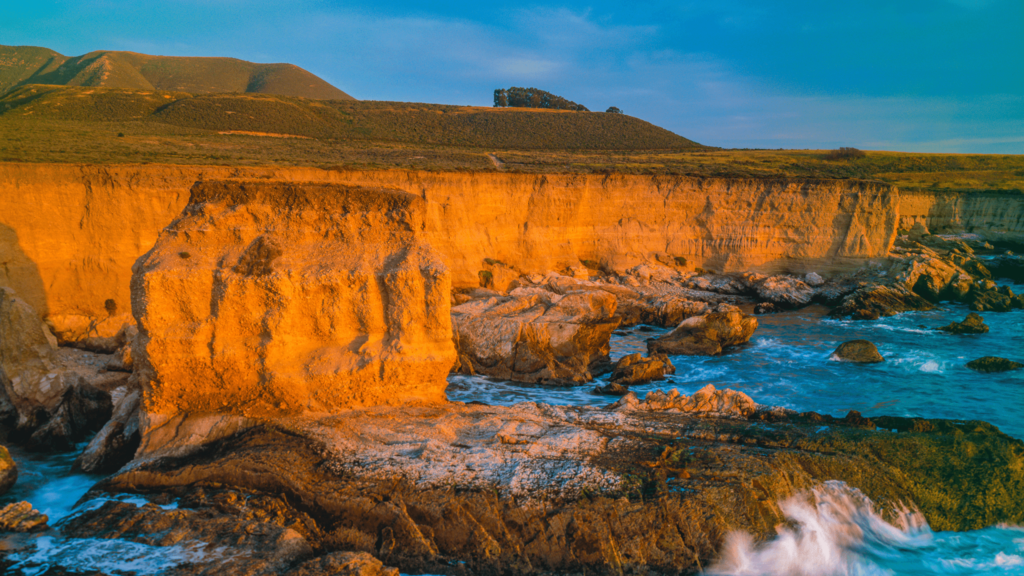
861 351
635 369
8 470
972 324
994 364
536 336
22 517
706 335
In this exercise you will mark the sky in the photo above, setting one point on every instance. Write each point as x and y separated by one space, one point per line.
909 75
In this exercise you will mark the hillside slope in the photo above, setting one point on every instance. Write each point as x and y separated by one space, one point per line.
341 120
20 65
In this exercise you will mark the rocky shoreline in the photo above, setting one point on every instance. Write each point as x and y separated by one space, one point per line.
283 386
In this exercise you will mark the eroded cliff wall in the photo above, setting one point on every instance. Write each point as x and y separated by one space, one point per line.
997 215
69 234
267 298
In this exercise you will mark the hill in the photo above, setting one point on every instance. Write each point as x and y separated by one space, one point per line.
344 120
22 65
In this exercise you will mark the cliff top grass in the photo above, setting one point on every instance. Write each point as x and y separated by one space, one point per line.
114 126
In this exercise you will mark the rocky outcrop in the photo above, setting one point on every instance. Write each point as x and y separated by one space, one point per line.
874 302
534 335
8 470
264 299
705 402
343 564
785 291
116 443
83 409
635 369
972 324
994 364
28 362
859 351
22 517
533 488
706 335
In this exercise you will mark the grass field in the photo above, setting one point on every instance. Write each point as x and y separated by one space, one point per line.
102 126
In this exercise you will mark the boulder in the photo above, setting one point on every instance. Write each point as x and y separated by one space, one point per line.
994 364
82 410
813 279
8 470
705 402
29 367
972 324
706 335
22 517
985 296
343 564
785 291
665 310
116 443
275 298
873 302
540 337
635 369
611 389
497 276
765 308
860 351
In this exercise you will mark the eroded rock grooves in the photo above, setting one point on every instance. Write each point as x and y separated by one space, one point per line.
273 298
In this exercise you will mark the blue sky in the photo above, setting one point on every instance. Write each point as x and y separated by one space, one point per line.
928 75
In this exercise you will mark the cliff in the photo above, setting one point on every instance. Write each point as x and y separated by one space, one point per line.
69 234
266 297
997 215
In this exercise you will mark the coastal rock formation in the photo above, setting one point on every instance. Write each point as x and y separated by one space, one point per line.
635 369
705 402
28 360
82 409
532 488
706 335
8 470
874 302
535 336
994 364
785 291
22 517
76 260
860 351
266 298
972 324
115 444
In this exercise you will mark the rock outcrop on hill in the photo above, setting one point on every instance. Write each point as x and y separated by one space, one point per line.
534 335
265 298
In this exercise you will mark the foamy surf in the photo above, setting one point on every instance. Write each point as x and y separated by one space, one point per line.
837 531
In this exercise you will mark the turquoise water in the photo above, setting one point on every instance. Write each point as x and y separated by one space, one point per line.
787 364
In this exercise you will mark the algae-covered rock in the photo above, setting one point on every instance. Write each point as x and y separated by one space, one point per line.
994 364
861 351
972 324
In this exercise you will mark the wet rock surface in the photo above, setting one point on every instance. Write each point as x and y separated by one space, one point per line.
116 443
859 351
706 335
666 486
972 324
636 369
994 364
8 470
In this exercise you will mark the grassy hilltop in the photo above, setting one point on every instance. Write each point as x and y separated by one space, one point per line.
22 65
105 125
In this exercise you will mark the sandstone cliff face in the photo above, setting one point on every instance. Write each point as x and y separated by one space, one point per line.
998 216
267 298
69 234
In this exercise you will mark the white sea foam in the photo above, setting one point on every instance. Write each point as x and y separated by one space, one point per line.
89 554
